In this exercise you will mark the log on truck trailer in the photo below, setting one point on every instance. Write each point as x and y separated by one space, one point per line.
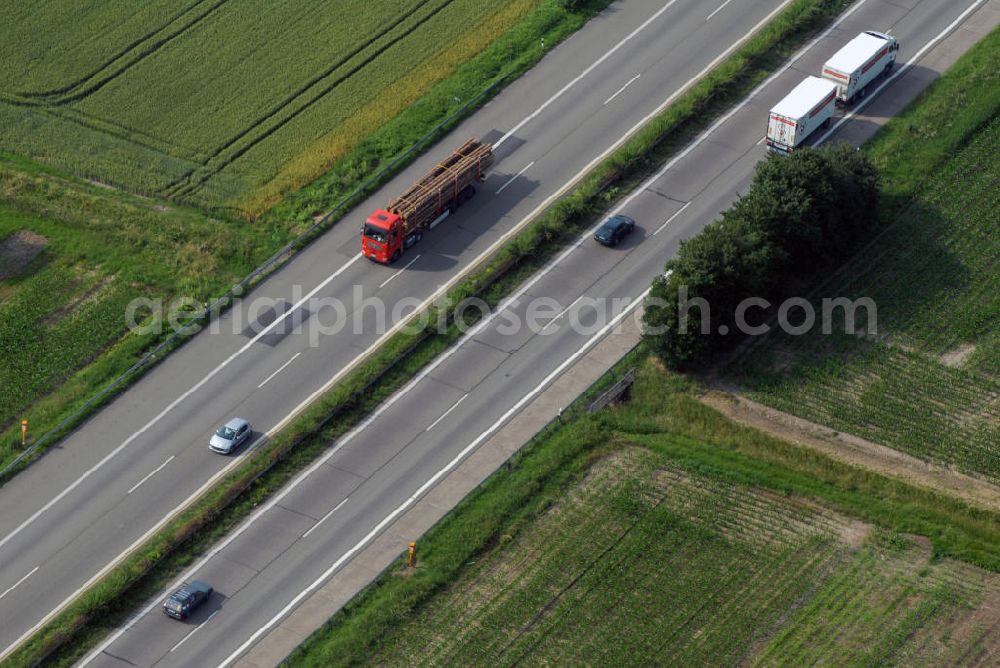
388 232
859 62
808 107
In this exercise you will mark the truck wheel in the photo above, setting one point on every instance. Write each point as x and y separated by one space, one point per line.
888 67
826 123
395 256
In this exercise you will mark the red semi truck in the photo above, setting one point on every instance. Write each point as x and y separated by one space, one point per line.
388 232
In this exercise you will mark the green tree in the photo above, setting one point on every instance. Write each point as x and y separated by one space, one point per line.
802 214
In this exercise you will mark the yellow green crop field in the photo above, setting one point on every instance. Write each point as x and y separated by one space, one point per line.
223 103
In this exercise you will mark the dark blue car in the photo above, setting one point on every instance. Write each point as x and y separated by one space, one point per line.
614 230
183 601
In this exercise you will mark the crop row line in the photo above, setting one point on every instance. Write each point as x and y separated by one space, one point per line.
65 94
188 183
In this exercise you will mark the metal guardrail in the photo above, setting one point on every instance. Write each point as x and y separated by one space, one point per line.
615 393
279 257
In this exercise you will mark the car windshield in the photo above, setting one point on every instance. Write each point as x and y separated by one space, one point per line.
608 227
375 233
174 604
226 432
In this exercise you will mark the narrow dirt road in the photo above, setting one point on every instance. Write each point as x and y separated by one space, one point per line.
855 451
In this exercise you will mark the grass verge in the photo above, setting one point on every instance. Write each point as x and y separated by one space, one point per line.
663 416
141 574
73 255
111 247
928 383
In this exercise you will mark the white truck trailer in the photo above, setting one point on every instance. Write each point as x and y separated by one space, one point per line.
809 106
860 61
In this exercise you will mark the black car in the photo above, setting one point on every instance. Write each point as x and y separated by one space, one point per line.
183 601
614 230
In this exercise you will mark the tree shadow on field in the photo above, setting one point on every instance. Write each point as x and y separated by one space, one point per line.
905 269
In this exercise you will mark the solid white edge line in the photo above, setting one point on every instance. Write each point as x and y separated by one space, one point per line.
732 112
388 519
577 78
173 404
720 8
622 89
514 178
280 369
15 585
325 517
437 294
858 106
446 413
671 218
408 265
149 475
545 270
442 289
194 630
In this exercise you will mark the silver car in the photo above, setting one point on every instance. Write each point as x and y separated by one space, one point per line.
230 436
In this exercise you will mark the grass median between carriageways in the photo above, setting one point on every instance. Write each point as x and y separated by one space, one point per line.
85 620
398 617
74 339
664 417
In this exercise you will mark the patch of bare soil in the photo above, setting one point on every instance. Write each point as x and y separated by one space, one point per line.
979 632
102 184
956 358
855 451
18 250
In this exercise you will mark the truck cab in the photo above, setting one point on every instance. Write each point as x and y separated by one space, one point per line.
381 236
391 230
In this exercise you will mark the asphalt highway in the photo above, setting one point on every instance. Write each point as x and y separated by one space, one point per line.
315 525
72 514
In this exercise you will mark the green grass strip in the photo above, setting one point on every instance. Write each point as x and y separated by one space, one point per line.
938 123
665 417
351 179
84 621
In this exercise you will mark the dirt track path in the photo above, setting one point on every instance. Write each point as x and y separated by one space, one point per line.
856 451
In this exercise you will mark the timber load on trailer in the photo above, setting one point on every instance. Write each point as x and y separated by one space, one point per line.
388 232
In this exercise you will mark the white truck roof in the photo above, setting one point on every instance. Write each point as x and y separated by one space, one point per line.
804 97
856 53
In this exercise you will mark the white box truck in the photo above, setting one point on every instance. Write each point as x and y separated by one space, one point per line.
809 106
861 61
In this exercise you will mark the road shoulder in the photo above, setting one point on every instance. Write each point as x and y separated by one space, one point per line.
439 501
